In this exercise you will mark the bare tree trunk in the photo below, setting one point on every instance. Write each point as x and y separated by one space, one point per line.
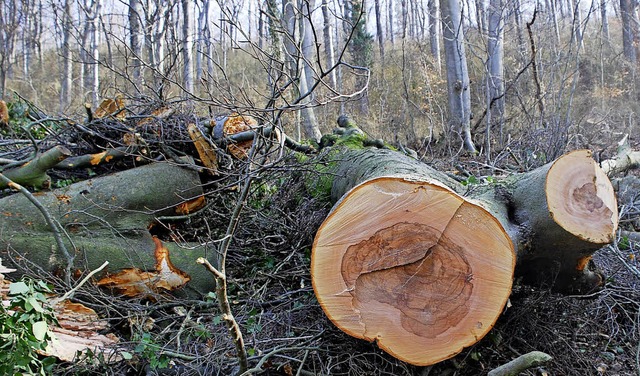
159 32
328 42
187 47
90 51
390 18
307 78
481 16
434 32
261 32
405 17
9 20
576 31
495 72
379 32
605 21
204 35
136 41
628 13
517 16
554 20
457 72
67 57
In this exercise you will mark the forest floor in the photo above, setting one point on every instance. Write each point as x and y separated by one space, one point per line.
287 332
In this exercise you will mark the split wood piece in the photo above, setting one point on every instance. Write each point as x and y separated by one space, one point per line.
205 149
4 114
232 124
34 172
413 266
107 219
111 107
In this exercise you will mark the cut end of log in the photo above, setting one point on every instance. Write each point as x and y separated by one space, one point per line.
581 198
412 266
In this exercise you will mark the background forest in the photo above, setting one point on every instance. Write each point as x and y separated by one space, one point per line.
552 71
484 87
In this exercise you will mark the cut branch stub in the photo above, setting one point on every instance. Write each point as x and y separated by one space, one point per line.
413 266
581 198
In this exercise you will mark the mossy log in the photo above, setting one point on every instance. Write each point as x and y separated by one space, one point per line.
423 265
107 219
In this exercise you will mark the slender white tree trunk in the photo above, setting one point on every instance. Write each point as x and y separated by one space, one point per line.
495 71
136 42
67 57
308 79
457 72
434 32
187 46
328 42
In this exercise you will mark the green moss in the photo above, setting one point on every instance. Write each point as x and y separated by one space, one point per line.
354 138
320 182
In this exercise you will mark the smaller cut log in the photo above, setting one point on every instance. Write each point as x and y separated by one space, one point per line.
568 210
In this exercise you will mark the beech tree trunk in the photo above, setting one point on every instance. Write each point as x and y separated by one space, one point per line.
422 265
107 219
457 72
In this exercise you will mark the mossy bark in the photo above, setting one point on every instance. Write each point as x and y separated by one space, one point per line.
104 219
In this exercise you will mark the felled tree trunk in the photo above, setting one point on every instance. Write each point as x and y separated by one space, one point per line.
108 219
422 265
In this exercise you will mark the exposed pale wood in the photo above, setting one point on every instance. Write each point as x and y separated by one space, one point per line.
566 210
625 159
413 266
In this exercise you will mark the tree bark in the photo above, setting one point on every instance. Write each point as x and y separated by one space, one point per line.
605 22
404 259
627 13
379 32
328 44
307 79
434 32
67 57
187 47
457 72
107 219
135 41
495 72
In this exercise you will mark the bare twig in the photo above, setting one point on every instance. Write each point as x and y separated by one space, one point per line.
70 293
227 315
534 67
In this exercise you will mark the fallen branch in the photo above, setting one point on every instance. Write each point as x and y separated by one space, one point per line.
91 160
625 159
521 364
34 172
